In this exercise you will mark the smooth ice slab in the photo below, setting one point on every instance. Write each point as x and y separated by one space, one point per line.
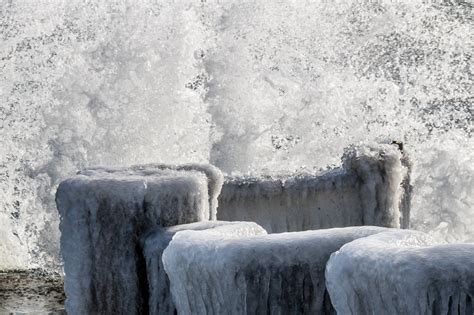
103 212
371 188
155 242
401 272
277 273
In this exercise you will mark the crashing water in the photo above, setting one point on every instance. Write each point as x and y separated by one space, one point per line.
250 86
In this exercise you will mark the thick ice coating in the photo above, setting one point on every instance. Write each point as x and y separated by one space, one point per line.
215 178
371 188
103 213
401 272
211 273
155 242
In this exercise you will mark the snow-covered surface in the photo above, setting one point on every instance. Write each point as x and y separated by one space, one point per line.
371 188
212 273
103 212
402 272
155 242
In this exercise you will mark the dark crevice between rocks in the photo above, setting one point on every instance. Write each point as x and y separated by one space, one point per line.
143 289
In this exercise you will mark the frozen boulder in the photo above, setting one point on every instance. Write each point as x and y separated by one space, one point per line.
155 242
370 188
282 273
401 272
215 178
103 212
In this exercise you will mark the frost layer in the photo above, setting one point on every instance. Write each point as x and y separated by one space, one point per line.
277 273
103 212
371 188
401 272
155 242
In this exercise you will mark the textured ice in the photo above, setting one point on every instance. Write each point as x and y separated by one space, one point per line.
103 212
215 177
245 85
371 188
277 273
155 242
402 272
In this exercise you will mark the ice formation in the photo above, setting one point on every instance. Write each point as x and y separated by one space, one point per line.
381 174
103 213
244 85
371 188
215 178
155 242
401 272
138 240
211 273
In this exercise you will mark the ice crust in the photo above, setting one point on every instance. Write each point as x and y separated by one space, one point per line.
371 188
211 273
215 178
104 211
155 242
402 272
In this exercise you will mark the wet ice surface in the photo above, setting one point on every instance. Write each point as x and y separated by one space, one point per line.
31 292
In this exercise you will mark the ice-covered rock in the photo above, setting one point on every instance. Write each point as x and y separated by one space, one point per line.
371 188
380 174
103 212
155 242
215 178
401 272
277 273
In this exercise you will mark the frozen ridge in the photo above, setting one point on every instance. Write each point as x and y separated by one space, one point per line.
103 213
155 242
213 273
372 187
402 272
